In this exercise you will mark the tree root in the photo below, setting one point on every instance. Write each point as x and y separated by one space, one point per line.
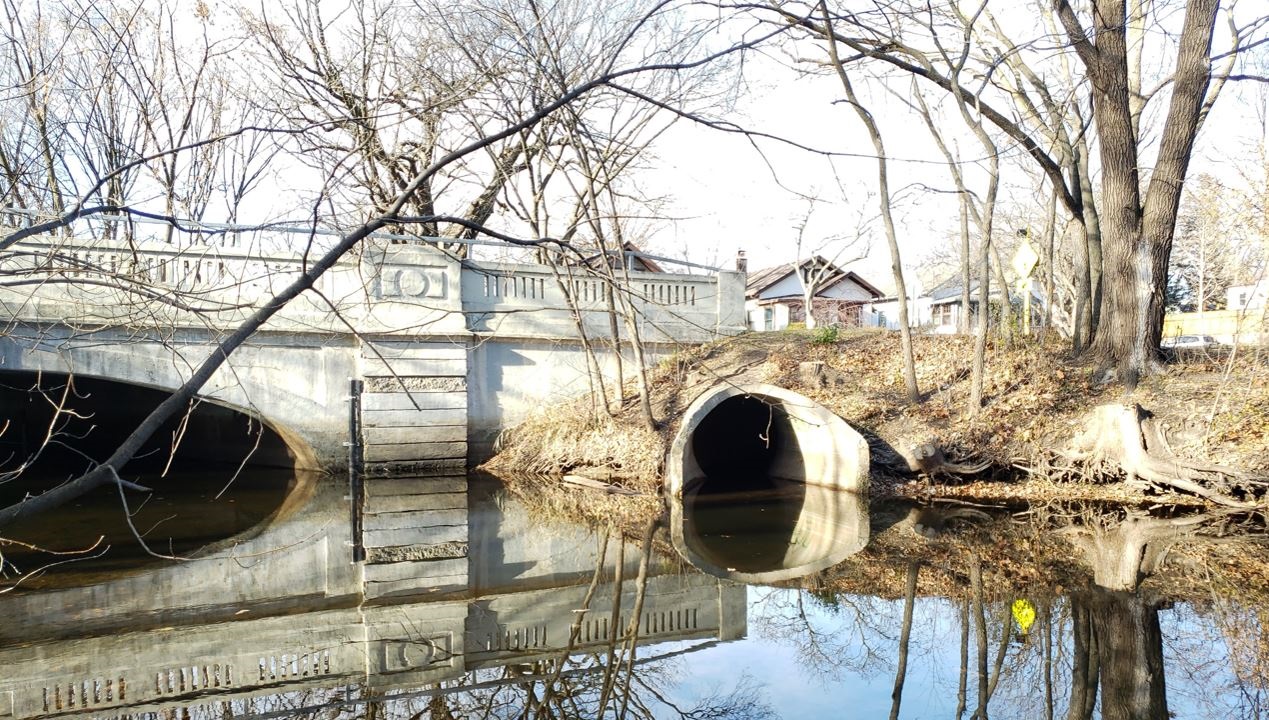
1122 554
927 459
930 522
1130 439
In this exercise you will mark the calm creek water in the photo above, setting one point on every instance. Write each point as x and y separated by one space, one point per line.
470 604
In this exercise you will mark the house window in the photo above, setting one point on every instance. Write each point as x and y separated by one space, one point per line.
943 315
768 318
1242 300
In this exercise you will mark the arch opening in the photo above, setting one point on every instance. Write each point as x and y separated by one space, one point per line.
213 473
67 423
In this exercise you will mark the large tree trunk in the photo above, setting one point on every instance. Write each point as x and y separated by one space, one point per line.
1085 665
1118 335
1137 235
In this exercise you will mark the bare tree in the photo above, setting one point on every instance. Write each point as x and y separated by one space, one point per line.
1136 241
819 265
628 59
883 197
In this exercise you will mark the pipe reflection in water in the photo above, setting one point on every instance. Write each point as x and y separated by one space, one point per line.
773 530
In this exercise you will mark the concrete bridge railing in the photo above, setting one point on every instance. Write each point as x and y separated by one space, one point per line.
520 300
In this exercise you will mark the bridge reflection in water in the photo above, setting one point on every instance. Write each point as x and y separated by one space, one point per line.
458 580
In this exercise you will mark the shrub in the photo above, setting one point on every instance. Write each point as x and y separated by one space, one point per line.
824 335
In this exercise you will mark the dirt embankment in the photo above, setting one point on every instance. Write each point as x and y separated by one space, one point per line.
1038 399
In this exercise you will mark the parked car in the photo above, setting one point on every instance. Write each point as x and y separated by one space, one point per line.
1188 342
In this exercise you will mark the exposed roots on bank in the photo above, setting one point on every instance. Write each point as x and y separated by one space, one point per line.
1127 443
1044 417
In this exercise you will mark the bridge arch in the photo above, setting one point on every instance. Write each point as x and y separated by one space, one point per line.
303 426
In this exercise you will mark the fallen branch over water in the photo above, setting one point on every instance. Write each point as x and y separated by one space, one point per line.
583 481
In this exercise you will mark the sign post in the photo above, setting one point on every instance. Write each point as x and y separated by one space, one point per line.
1024 262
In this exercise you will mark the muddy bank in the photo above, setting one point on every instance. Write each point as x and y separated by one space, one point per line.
1038 401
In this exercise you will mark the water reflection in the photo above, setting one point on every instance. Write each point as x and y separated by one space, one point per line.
762 529
471 605
186 513
462 589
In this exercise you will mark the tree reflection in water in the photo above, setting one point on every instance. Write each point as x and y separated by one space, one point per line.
1128 613
1117 630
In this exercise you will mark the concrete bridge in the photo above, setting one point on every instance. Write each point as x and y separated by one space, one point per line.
449 351
279 614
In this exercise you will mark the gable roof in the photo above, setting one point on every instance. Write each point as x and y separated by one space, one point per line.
639 259
951 287
949 291
760 280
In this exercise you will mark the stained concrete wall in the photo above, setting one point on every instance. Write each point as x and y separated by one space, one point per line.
509 380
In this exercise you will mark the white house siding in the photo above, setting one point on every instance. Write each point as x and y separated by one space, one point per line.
847 289
1246 297
918 312
757 315
790 286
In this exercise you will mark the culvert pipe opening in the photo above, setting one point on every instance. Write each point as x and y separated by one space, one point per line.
746 442
742 436
766 485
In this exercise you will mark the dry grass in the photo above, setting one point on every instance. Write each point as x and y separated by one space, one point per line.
1036 398
555 503
568 439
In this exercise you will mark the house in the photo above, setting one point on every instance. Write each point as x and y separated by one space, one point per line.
945 310
945 304
1247 297
774 296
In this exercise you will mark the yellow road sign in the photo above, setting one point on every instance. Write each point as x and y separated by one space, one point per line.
1024 259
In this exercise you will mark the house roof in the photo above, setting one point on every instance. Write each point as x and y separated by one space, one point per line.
760 280
949 290
648 263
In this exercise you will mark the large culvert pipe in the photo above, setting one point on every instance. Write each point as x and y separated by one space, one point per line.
733 433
